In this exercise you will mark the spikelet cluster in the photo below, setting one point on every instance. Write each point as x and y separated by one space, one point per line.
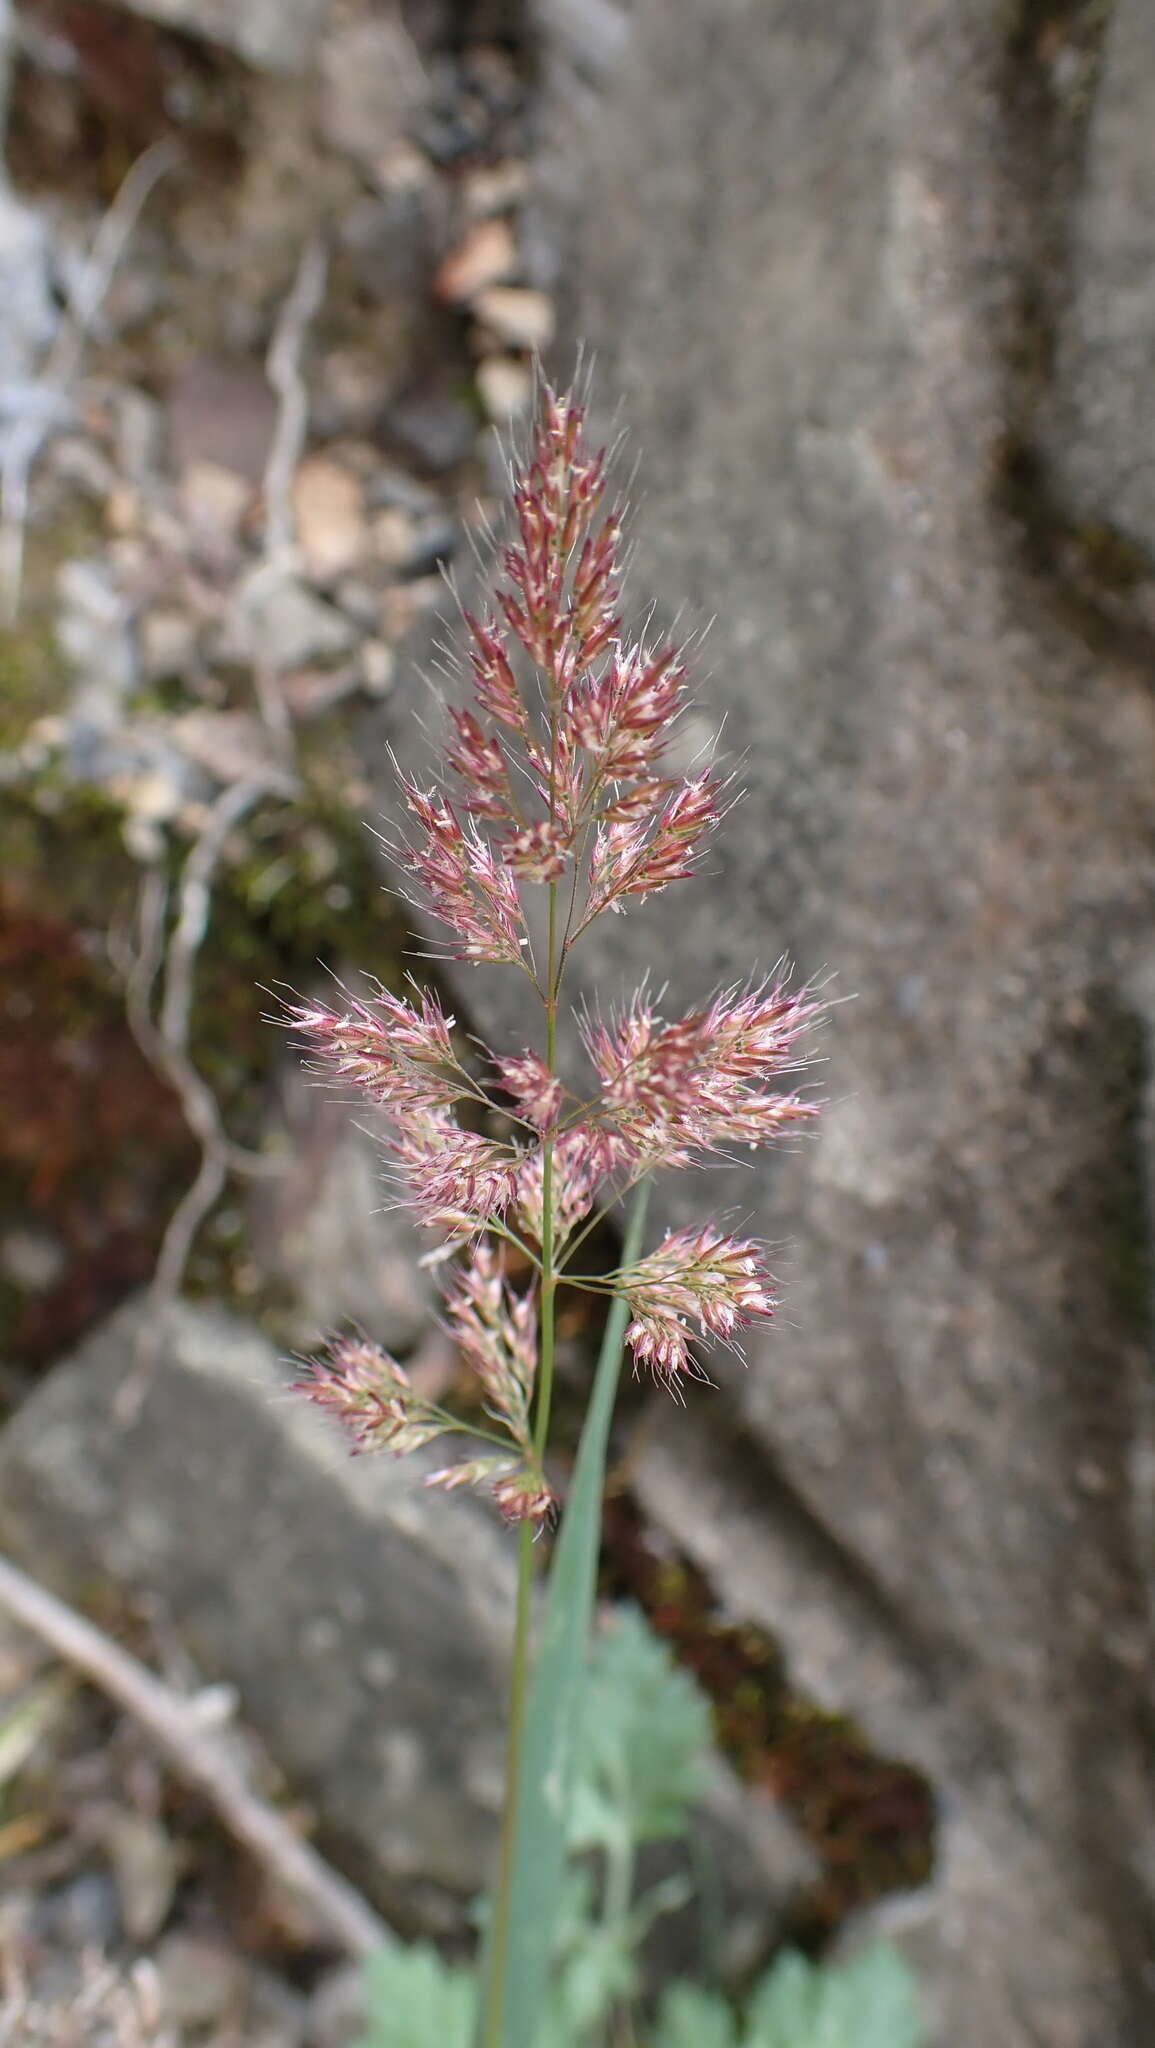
555 777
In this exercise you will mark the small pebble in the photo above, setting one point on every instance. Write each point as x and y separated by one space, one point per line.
412 547
394 537
329 512
214 499
203 1982
31 1260
167 643
402 606
506 388
280 622
487 255
378 668
434 425
122 509
516 315
310 692
490 188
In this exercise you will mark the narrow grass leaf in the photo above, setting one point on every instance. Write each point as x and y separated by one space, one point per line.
514 2009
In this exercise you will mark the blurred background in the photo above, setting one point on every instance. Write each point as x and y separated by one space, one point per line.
869 284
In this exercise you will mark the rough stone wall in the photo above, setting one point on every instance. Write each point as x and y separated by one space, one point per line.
870 282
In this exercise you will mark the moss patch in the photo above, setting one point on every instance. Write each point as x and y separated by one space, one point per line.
869 1818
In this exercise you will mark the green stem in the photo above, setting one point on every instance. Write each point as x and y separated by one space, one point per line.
516 1964
498 1935
548 1268
498 1943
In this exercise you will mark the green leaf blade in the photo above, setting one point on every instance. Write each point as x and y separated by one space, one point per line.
516 1987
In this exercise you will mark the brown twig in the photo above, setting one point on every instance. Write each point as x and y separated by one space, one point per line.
199 1759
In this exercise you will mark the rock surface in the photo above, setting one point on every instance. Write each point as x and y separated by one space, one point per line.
327 1230
914 288
363 1620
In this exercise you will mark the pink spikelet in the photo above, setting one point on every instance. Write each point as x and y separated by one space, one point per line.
705 1081
372 1397
717 1281
553 802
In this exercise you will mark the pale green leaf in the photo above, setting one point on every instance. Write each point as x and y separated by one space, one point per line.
644 1738
692 2018
869 2002
416 2000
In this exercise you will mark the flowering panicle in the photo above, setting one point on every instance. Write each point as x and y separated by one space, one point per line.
555 778
636 856
374 1400
556 765
494 686
458 1181
623 716
522 1495
477 757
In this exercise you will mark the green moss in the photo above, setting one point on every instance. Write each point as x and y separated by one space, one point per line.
32 679
869 1817
298 889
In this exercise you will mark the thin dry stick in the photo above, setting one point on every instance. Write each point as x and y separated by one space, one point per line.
283 365
285 374
166 1042
61 365
193 907
199 1759
166 1047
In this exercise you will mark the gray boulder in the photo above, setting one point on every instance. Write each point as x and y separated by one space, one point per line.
873 308
326 1229
363 1619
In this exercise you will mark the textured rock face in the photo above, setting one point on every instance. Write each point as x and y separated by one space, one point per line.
879 299
363 1620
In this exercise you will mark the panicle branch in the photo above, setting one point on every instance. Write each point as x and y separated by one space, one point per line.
703 1082
371 1396
377 1405
497 1332
717 1281
398 1056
